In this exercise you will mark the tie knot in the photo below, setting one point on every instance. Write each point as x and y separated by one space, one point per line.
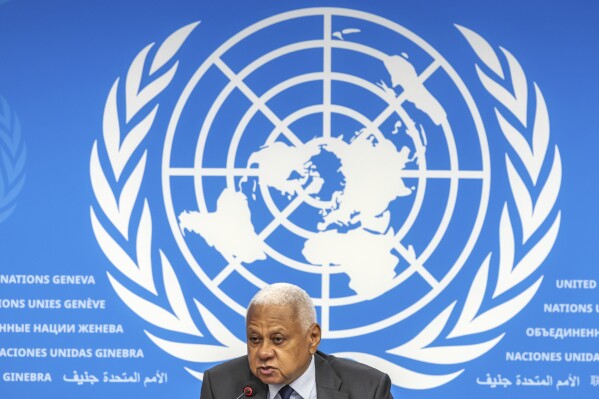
285 392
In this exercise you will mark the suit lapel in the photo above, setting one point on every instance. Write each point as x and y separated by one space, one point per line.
327 381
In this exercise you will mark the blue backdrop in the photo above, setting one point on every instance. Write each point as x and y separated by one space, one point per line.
425 170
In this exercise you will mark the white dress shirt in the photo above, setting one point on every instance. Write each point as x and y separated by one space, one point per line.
304 386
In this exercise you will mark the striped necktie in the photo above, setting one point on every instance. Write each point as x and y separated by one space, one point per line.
286 392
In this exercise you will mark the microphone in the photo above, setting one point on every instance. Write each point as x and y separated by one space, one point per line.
249 389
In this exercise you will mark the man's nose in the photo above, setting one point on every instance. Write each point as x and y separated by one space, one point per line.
265 351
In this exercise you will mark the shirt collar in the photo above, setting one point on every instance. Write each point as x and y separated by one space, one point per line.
303 385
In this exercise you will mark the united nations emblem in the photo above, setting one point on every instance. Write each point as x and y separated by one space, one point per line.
337 150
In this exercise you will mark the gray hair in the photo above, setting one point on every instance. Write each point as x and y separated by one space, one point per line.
288 294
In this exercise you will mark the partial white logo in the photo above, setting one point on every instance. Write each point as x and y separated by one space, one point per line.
338 150
12 160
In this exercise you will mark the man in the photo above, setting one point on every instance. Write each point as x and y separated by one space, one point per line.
283 361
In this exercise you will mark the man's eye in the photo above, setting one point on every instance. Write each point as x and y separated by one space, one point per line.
278 340
254 340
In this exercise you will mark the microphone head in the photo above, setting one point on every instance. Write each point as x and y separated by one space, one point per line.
250 389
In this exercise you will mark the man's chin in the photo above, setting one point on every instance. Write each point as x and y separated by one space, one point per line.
270 376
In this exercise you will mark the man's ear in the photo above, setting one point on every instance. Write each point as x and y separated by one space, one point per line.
314 335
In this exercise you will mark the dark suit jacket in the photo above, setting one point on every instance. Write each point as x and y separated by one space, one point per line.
335 379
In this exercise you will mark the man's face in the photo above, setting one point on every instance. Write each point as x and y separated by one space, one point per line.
279 350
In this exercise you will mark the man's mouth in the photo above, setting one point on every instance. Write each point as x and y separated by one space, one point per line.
266 370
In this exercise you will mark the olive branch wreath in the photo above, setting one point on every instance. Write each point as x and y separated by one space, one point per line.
121 149
13 154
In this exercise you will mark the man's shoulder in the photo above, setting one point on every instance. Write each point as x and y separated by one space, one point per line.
345 367
228 379
230 366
